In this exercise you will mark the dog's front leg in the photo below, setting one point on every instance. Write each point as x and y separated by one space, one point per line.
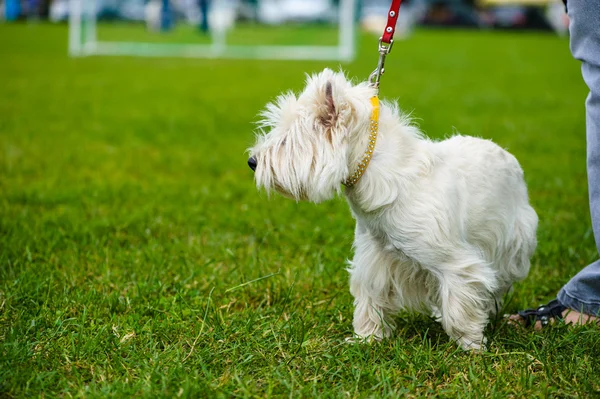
371 286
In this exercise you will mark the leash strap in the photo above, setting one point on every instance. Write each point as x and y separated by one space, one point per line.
385 43
390 28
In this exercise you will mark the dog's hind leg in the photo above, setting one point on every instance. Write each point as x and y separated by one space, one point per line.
465 297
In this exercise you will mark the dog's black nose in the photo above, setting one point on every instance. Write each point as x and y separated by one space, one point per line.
252 163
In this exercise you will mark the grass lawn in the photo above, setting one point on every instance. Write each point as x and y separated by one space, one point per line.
138 259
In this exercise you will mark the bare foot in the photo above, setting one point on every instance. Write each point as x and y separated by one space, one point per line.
569 316
578 319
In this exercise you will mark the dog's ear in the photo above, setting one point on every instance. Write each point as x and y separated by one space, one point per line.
328 114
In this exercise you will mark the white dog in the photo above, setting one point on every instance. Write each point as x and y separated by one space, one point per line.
443 228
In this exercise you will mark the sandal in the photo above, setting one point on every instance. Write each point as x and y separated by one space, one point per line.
551 311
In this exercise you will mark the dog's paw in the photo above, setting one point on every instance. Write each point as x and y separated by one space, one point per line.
473 345
359 339
436 314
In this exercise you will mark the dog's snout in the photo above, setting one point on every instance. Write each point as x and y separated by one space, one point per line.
252 163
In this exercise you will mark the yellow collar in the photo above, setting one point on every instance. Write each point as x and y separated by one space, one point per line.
373 129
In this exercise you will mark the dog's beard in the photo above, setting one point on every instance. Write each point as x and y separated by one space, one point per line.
315 187
287 184
300 196
303 174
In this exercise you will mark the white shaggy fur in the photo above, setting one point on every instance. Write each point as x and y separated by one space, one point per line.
443 228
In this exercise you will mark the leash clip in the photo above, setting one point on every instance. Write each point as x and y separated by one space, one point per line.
384 49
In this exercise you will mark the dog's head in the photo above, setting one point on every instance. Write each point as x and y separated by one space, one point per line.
302 146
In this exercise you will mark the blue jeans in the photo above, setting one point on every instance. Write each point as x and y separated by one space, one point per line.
582 292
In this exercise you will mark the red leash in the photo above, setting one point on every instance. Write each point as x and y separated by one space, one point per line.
386 42
390 28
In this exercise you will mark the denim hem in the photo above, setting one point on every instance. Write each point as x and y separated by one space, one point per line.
568 300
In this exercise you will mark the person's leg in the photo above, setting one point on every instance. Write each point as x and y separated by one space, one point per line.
580 297
582 292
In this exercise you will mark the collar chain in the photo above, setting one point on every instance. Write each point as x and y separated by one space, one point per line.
366 159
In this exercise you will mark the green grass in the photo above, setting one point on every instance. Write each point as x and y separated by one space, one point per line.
138 259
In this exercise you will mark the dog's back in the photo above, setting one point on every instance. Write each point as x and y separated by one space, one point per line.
496 194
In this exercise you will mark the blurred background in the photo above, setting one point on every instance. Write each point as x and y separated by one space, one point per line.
205 16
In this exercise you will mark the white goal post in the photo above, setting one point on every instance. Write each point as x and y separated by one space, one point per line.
83 41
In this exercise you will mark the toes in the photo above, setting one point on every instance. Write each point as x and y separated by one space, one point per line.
473 346
515 319
359 339
575 318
